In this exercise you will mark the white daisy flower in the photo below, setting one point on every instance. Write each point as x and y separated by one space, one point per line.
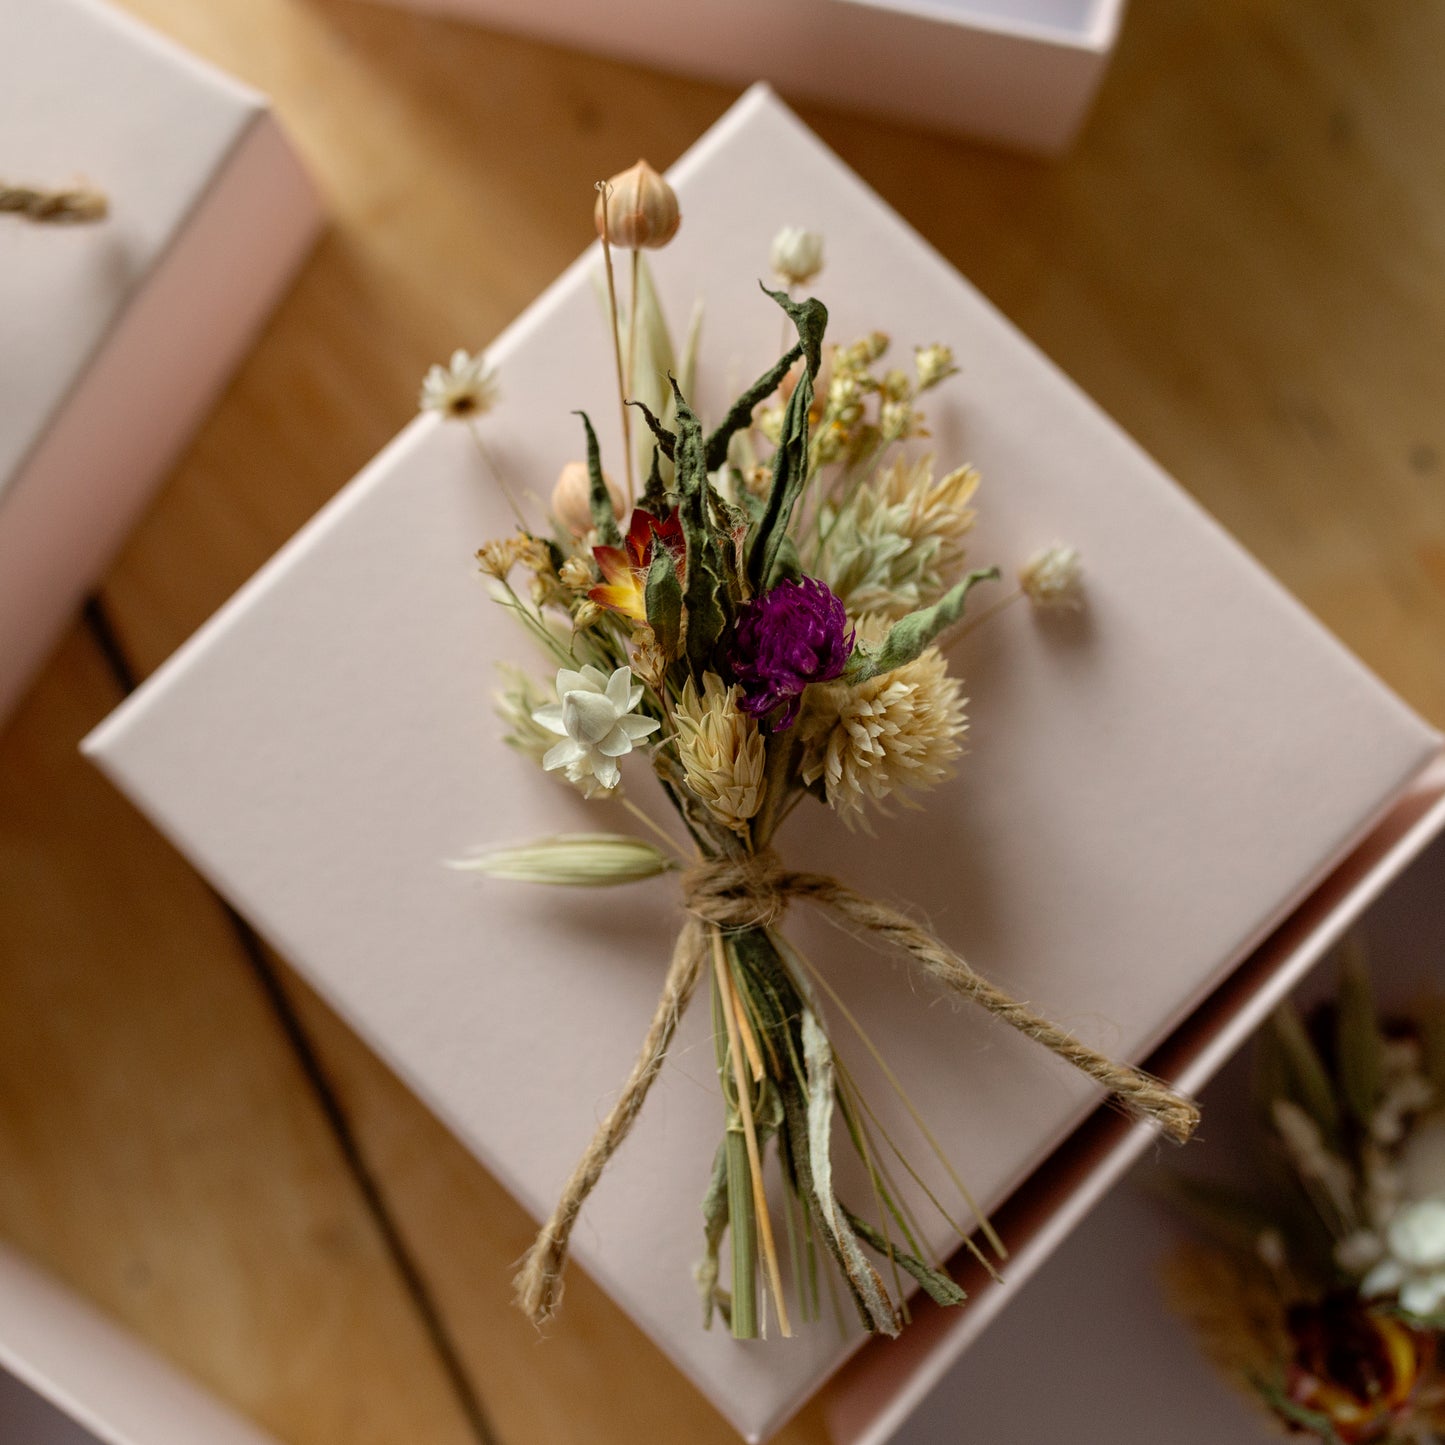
464 389
593 716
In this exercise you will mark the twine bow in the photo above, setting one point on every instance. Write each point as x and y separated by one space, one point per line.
753 892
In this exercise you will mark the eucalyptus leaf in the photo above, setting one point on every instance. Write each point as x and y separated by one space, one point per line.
599 498
910 635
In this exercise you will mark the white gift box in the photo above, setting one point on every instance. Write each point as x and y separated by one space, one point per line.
1018 72
119 335
70 1377
1154 785
1125 1369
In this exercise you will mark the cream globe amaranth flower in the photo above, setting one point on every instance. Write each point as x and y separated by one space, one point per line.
1053 579
1413 1267
797 254
593 716
463 389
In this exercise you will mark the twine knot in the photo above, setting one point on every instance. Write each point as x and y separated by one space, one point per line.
67 205
735 894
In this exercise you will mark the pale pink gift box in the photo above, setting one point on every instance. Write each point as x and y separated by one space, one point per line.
1017 72
1122 1370
1154 784
117 337
70 1377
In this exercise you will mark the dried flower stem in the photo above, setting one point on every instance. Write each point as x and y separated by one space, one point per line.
66 205
896 1084
654 825
730 1010
496 475
604 189
972 624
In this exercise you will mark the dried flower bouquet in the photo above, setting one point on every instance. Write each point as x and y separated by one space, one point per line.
1324 1296
762 618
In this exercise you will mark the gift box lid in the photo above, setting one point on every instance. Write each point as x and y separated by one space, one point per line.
898 1391
1130 1370
88 94
69 1377
1153 783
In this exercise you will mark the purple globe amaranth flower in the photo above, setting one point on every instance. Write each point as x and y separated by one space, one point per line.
796 634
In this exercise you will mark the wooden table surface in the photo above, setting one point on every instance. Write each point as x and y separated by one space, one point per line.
1244 261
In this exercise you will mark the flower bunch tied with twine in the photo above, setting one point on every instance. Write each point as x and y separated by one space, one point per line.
761 609
1321 1290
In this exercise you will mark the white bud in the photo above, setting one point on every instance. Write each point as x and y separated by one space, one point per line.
797 255
572 498
1053 579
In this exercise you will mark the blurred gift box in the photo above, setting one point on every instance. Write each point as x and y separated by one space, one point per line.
1017 72
120 332
69 1377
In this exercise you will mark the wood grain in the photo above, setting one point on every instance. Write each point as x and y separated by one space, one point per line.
1244 261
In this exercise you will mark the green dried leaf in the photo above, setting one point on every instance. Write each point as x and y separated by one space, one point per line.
1357 1040
790 460
938 1286
862 1277
1308 1420
664 602
654 490
1307 1081
908 637
599 498
706 594
666 440
741 413
714 1227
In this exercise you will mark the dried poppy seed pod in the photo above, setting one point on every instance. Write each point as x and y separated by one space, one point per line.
572 498
637 210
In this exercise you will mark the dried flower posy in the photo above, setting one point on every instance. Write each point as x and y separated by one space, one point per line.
765 621
1340 1270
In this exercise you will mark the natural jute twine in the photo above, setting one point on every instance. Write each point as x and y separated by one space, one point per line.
68 205
754 892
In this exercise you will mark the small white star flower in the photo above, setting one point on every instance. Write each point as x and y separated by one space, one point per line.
1414 1263
593 717
797 255
1053 579
463 389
